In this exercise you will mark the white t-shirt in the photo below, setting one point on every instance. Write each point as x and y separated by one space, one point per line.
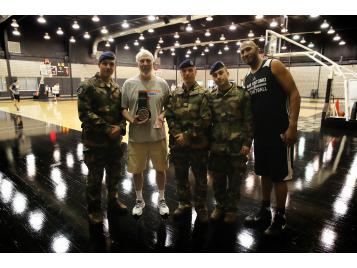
55 89
158 92
14 87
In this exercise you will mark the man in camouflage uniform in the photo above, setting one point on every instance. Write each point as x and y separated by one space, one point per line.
188 117
99 108
231 138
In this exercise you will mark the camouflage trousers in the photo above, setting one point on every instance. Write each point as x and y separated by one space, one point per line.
227 172
183 159
98 159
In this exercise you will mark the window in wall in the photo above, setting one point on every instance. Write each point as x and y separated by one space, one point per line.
2 84
27 83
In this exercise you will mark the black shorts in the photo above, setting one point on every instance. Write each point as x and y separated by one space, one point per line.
17 97
274 161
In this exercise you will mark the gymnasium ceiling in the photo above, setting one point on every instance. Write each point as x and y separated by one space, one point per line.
307 26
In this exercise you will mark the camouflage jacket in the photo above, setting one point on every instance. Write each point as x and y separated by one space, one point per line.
232 125
187 112
99 108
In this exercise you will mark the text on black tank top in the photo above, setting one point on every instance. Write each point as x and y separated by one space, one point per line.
269 103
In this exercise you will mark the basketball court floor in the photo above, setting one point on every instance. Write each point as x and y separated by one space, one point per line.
43 208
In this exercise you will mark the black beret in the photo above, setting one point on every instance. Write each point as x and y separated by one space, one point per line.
186 63
106 55
217 66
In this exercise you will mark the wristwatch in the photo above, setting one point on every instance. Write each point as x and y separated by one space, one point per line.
143 111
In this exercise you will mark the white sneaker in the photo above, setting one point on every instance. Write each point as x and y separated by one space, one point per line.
138 208
163 208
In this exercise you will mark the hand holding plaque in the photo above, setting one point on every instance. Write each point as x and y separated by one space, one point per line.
143 113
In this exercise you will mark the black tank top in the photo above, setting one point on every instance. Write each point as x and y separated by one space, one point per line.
269 104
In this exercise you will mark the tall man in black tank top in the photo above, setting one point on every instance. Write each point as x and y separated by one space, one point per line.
275 106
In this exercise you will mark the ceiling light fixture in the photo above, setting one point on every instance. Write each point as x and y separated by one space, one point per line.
75 25
209 18
59 31
151 18
211 44
14 24
226 48
177 44
207 33
126 47
273 24
86 35
161 40
110 39
303 41
284 30
95 18
198 41
342 43
296 37
232 27
104 30
261 38
151 30
141 37
258 17
107 44
72 40
176 35
331 30
161 52
206 50
220 52
310 45
336 38
324 25
195 47
125 24
16 32
189 28
47 36
136 43
41 19
250 34
222 38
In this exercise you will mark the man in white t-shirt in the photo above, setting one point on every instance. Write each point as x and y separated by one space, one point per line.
143 99
56 91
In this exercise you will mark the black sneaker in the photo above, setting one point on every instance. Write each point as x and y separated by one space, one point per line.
95 217
260 220
277 227
114 205
182 210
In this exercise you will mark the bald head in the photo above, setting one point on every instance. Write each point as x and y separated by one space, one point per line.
249 52
248 43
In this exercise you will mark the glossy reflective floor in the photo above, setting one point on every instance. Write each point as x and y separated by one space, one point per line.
42 203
